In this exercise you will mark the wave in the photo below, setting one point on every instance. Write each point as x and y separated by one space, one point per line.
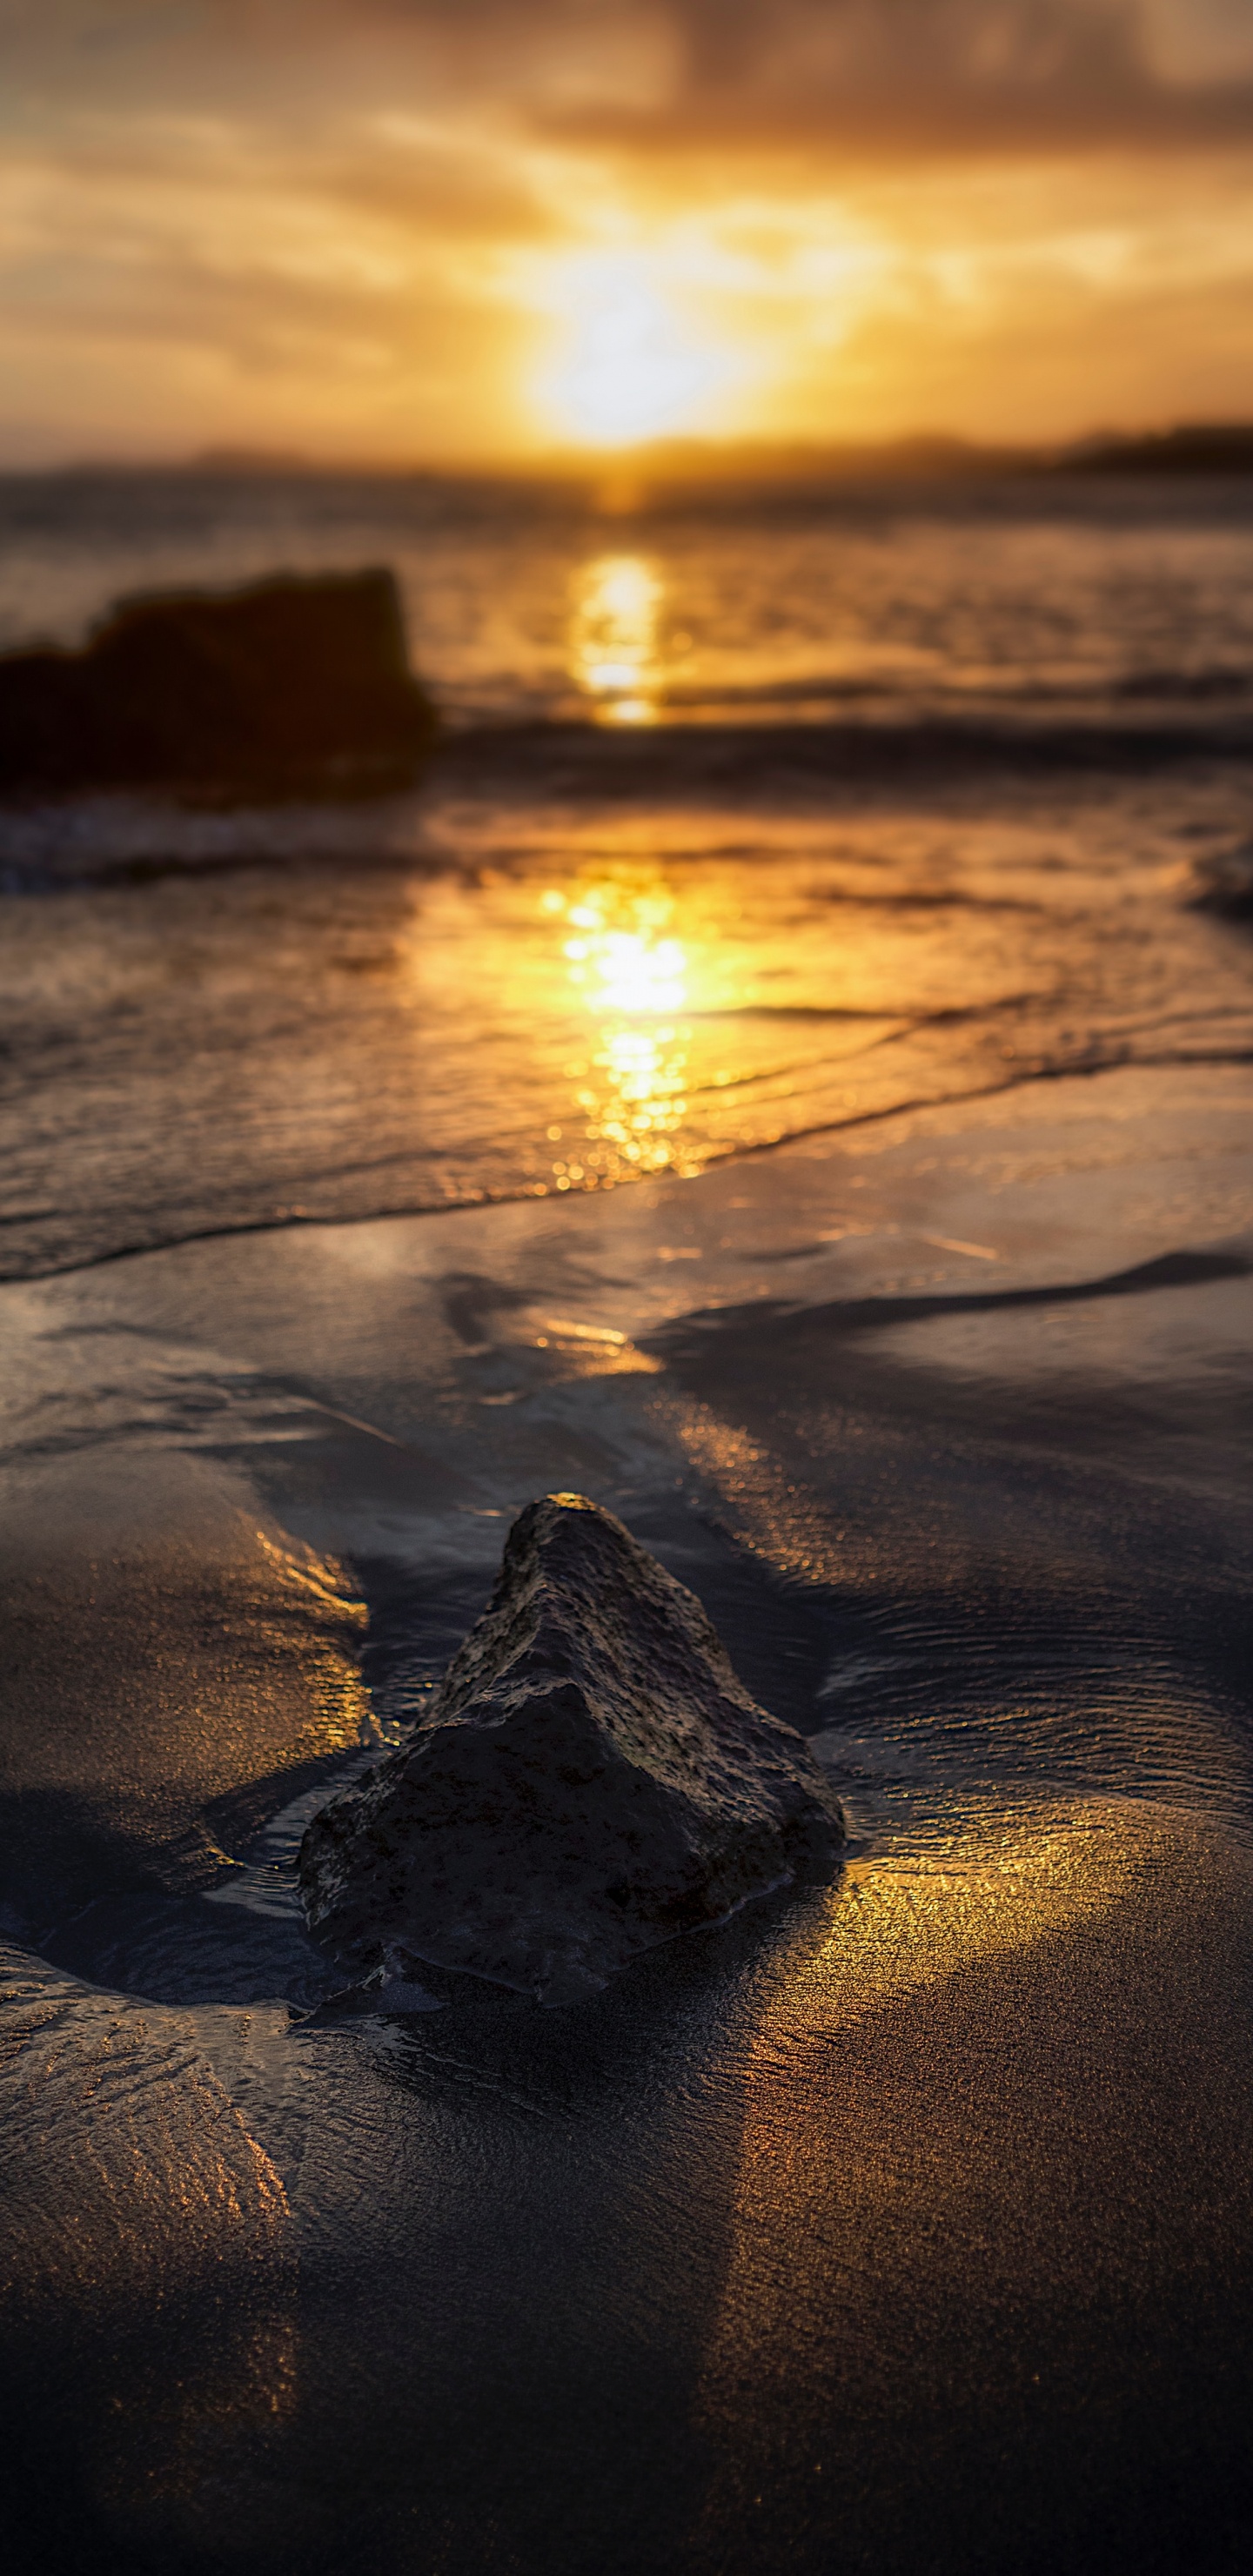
890 689
138 1233
98 838
648 756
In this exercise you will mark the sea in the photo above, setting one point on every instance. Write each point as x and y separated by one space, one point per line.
761 811
785 1072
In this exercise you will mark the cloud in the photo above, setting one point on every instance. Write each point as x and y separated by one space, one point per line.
169 279
866 76
352 225
885 77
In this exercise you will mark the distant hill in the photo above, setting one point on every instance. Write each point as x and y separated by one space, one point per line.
1191 448
673 465
932 456
1223 447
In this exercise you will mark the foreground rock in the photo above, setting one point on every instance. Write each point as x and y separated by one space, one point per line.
593 1780
288 686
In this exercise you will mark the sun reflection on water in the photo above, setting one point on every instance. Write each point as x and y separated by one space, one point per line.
614 639
625 966
640 1004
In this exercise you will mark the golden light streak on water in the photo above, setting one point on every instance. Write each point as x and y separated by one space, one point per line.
914 2134
624 965
644 1004
767 1511
614 655
1015 1876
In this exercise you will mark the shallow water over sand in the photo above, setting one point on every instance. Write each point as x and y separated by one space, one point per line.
780 2249
521 998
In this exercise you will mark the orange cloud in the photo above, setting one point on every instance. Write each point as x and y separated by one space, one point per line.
406 227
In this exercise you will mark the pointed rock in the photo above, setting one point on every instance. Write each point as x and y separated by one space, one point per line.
593 1780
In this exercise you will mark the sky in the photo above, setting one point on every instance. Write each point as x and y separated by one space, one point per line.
396 230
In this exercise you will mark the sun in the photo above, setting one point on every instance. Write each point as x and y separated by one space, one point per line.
629 364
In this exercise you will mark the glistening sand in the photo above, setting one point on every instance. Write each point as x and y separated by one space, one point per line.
909 2228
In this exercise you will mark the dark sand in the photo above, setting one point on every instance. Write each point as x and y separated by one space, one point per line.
905 2227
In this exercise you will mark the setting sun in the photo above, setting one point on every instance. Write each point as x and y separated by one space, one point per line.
628 365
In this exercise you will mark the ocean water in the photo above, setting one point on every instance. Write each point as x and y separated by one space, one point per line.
1099 599
757 816
776 1077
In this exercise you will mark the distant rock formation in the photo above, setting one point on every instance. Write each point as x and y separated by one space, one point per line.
1193 447
295 685
593 1780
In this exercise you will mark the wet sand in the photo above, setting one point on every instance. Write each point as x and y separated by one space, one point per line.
906 2226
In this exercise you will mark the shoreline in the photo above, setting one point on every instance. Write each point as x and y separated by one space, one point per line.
834 2207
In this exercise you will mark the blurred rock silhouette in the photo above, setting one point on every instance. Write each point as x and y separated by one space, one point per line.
297 685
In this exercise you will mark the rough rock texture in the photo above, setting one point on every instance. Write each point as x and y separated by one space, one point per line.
593 1780
290 685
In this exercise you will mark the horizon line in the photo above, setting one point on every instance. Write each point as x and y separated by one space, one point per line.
919 447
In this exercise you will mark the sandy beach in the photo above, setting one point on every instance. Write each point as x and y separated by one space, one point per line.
777 2254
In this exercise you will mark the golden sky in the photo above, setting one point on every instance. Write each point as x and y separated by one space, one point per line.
399 229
